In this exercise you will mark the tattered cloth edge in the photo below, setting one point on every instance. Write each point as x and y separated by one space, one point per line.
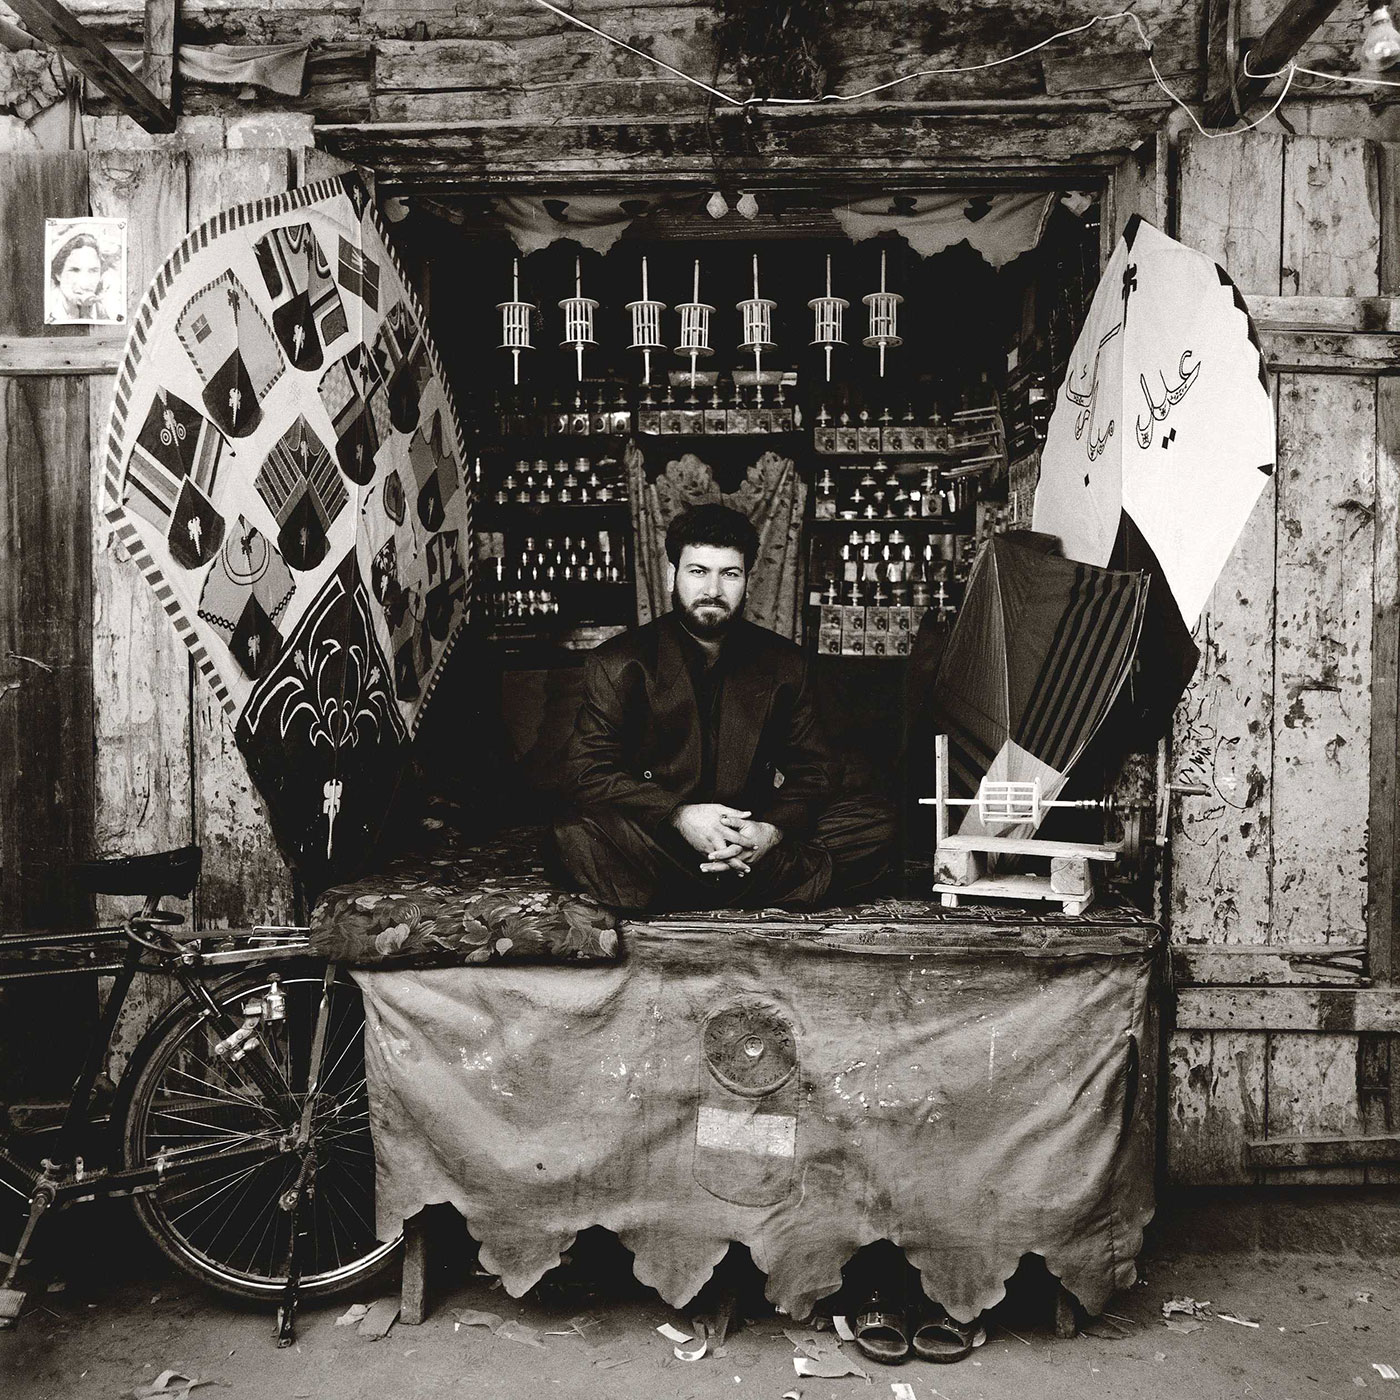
1124 1222
1092 1291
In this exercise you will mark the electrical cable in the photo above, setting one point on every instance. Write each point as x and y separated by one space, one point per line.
1288 73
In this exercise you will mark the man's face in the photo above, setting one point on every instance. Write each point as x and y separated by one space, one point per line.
80 274
709 588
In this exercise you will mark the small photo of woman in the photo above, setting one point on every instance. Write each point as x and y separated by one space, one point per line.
85 271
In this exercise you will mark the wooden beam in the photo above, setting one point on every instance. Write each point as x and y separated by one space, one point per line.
1222 51
1381 1149
1336 1010
52 23
1295 24
1358 314
1269 965
1330 352
51 354
158 49
868 146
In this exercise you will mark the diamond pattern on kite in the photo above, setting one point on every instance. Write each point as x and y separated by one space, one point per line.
234 351
345 390
307 313
447 583
303 490
245 593
402 356
170 479
435 473
359 274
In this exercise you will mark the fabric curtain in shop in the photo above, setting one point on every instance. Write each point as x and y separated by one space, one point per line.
972 1092
772 495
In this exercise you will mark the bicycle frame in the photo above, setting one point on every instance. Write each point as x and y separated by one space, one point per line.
184 966
188 964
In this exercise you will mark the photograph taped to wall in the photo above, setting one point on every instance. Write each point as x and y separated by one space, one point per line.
85 272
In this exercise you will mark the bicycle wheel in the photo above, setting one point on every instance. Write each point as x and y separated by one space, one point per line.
228 1229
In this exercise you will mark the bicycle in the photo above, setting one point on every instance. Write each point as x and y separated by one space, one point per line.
240 1127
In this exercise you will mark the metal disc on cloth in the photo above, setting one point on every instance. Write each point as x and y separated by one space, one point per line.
750 1047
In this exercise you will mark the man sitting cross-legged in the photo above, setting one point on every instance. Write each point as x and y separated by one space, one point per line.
697 770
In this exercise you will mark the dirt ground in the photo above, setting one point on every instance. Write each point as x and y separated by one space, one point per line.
1319 1274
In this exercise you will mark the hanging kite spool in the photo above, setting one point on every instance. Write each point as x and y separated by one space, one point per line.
961 859
826 320
884 319
515 323
695 327
757 313
646 326
578 319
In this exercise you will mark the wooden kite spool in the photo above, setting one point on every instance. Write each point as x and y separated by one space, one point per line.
515 323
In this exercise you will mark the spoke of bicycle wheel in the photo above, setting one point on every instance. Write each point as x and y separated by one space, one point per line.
207 1198
231 1218
269 1229
351 1044
211 1130
365 1225
234 1082
222 1093
347 1095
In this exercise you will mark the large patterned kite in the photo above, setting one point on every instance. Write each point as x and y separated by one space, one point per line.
285 466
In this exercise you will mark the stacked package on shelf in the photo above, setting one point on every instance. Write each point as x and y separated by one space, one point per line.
855 629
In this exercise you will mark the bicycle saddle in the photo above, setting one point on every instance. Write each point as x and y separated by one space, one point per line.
164 873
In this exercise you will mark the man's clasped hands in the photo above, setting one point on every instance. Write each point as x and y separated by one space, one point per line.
728 838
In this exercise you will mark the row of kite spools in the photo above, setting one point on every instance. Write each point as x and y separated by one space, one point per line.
757 313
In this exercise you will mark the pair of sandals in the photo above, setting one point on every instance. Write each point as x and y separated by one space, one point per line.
890 1335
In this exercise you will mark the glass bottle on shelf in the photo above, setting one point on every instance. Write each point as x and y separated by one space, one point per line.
619 416
736 413
599 417
690 415
670 415
714 415
784 416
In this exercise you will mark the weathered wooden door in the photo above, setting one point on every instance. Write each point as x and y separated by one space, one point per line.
107 744
1283 878
46 773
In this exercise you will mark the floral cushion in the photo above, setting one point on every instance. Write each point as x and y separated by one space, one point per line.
463 903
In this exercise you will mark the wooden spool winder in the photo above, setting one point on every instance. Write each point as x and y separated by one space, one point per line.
695 327
515 323
961 865
646 326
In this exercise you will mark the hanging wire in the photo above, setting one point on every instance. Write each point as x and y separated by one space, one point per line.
1286 73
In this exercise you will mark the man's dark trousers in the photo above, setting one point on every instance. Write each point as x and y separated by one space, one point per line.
620 863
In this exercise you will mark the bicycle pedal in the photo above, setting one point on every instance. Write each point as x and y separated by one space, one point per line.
11 1305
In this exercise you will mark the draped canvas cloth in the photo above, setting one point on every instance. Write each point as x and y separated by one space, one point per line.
973 1090
772 495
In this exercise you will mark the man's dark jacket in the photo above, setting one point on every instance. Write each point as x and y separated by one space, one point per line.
637 743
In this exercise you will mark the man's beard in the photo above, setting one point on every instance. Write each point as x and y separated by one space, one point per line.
711 624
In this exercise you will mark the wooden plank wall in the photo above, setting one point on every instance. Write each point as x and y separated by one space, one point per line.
1278 720
108 742
46 778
